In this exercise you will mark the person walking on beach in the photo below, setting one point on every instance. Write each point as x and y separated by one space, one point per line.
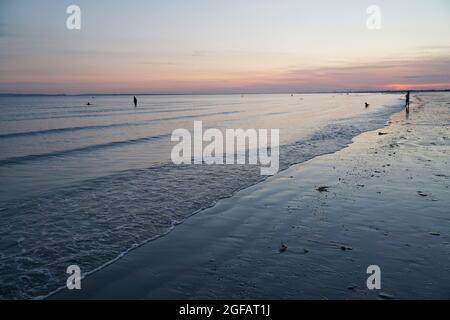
135 101
407 101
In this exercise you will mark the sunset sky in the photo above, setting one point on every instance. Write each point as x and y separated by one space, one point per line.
212 46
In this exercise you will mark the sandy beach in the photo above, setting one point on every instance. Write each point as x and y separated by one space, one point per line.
383 200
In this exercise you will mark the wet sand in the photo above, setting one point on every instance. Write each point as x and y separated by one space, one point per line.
384 201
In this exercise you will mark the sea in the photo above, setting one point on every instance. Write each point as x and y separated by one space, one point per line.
86 184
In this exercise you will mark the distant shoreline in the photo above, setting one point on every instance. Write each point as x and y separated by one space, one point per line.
208 94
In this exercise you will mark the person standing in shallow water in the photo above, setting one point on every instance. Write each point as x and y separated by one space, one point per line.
135 101
407 101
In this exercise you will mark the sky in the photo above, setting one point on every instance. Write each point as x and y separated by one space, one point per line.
233 46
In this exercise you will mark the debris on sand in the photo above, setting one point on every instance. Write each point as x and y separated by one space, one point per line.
436 234
382 133
386 296
323 189
422 194
283 248
346 248
305 251
352 288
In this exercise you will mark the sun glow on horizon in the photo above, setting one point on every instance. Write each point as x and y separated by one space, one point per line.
418 86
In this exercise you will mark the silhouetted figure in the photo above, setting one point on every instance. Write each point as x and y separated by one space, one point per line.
135 101
407 101
367 105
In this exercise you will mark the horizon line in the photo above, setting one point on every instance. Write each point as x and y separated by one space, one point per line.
216 93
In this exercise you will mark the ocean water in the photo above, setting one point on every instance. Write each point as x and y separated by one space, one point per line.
85 185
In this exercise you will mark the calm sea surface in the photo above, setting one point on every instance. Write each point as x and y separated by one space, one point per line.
85 184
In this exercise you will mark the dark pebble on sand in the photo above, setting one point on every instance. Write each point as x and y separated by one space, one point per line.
385 296
323 189
436 234
422 194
